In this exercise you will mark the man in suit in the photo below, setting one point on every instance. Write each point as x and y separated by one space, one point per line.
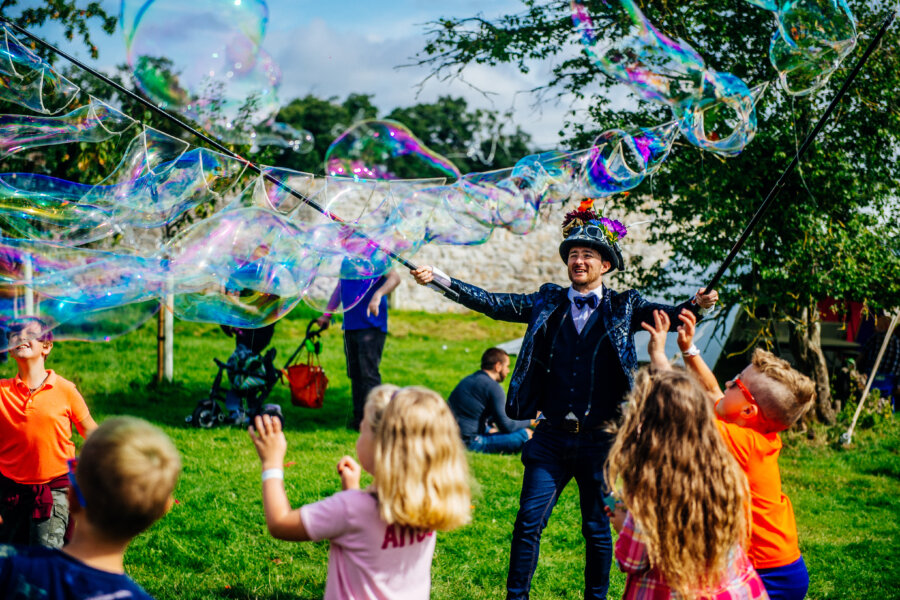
575 366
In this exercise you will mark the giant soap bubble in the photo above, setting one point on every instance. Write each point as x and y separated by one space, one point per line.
205 59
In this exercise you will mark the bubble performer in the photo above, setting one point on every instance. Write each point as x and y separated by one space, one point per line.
574 368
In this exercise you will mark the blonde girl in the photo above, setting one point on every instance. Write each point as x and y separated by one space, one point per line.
382 538
686 497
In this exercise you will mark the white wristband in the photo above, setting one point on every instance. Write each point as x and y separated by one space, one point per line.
692 351
273 474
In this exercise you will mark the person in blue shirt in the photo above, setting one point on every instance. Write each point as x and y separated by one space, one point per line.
120 485
365 329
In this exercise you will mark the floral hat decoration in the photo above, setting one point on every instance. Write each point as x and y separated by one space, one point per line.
584 227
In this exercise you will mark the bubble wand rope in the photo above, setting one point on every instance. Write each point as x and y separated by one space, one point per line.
218 146
776 189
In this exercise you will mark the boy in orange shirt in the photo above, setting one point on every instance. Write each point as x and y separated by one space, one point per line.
767 397
37 411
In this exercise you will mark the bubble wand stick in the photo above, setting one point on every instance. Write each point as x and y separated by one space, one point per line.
776 189
217 145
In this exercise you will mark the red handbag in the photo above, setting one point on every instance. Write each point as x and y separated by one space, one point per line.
307 383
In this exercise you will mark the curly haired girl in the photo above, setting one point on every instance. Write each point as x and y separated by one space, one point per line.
687 520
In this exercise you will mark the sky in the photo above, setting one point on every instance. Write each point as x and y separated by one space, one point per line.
332 49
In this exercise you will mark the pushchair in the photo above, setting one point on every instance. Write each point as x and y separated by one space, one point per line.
251 377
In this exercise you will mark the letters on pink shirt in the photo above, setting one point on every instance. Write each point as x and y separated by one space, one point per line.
397 535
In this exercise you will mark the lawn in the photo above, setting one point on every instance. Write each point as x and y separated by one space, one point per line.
214 544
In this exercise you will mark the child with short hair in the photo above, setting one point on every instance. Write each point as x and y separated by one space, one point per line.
382 538
121 485
767 397
686 520
38 409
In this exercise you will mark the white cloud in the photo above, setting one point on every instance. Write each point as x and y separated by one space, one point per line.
318 59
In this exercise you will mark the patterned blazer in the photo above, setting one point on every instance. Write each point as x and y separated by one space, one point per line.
622 314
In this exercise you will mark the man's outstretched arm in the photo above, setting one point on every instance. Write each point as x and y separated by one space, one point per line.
503 307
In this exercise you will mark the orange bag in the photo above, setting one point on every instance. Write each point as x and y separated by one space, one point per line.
307 383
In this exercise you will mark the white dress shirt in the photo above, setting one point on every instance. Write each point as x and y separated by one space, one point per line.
580 316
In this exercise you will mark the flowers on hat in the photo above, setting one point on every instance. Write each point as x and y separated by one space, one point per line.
615 231
585 215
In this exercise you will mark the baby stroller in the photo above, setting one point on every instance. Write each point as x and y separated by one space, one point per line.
252 377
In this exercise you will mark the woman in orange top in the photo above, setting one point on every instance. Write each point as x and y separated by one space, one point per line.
37 411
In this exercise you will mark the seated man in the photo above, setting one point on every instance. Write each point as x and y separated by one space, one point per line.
478 403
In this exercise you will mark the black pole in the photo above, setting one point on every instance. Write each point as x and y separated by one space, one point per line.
776 189
217 145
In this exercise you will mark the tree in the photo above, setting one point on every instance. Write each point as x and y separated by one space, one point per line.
472 139
325 119
834 232
66 12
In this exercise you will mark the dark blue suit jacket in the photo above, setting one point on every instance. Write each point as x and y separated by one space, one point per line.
622 315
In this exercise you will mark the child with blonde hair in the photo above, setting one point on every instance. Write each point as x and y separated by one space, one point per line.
767 397
382 538
686 522
120 485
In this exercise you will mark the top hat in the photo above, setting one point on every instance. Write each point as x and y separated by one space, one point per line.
583 228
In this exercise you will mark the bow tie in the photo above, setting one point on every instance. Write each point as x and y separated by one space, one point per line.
591 300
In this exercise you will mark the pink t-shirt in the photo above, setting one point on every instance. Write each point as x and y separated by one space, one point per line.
369 558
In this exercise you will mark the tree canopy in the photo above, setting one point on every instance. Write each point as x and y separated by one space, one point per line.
834 230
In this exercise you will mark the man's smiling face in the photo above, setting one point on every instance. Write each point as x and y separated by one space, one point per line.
586 267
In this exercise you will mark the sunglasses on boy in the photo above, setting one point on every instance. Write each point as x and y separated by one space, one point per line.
748 396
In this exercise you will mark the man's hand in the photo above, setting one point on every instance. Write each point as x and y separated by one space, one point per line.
323 322
656 348
271 445
706 301
686 329
423 275
350 472
374 305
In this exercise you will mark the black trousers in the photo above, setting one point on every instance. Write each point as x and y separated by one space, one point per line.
363 348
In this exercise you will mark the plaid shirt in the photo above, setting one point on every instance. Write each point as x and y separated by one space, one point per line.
739 582
890 362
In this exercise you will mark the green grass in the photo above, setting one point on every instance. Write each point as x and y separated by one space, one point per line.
214 544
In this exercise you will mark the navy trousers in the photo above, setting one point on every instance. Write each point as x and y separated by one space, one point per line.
552 458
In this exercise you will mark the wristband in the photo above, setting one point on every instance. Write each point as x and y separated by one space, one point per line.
692 351
273 474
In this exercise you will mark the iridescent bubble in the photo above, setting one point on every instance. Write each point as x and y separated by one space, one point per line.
653 65
37 207
384 150
29 81
766 4
205 60
812 38
243 267
321 295
800 73
810 24
94 122
619 161
724 119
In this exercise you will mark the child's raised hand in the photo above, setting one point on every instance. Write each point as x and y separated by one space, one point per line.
657 331
686 329
269 440
350 472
